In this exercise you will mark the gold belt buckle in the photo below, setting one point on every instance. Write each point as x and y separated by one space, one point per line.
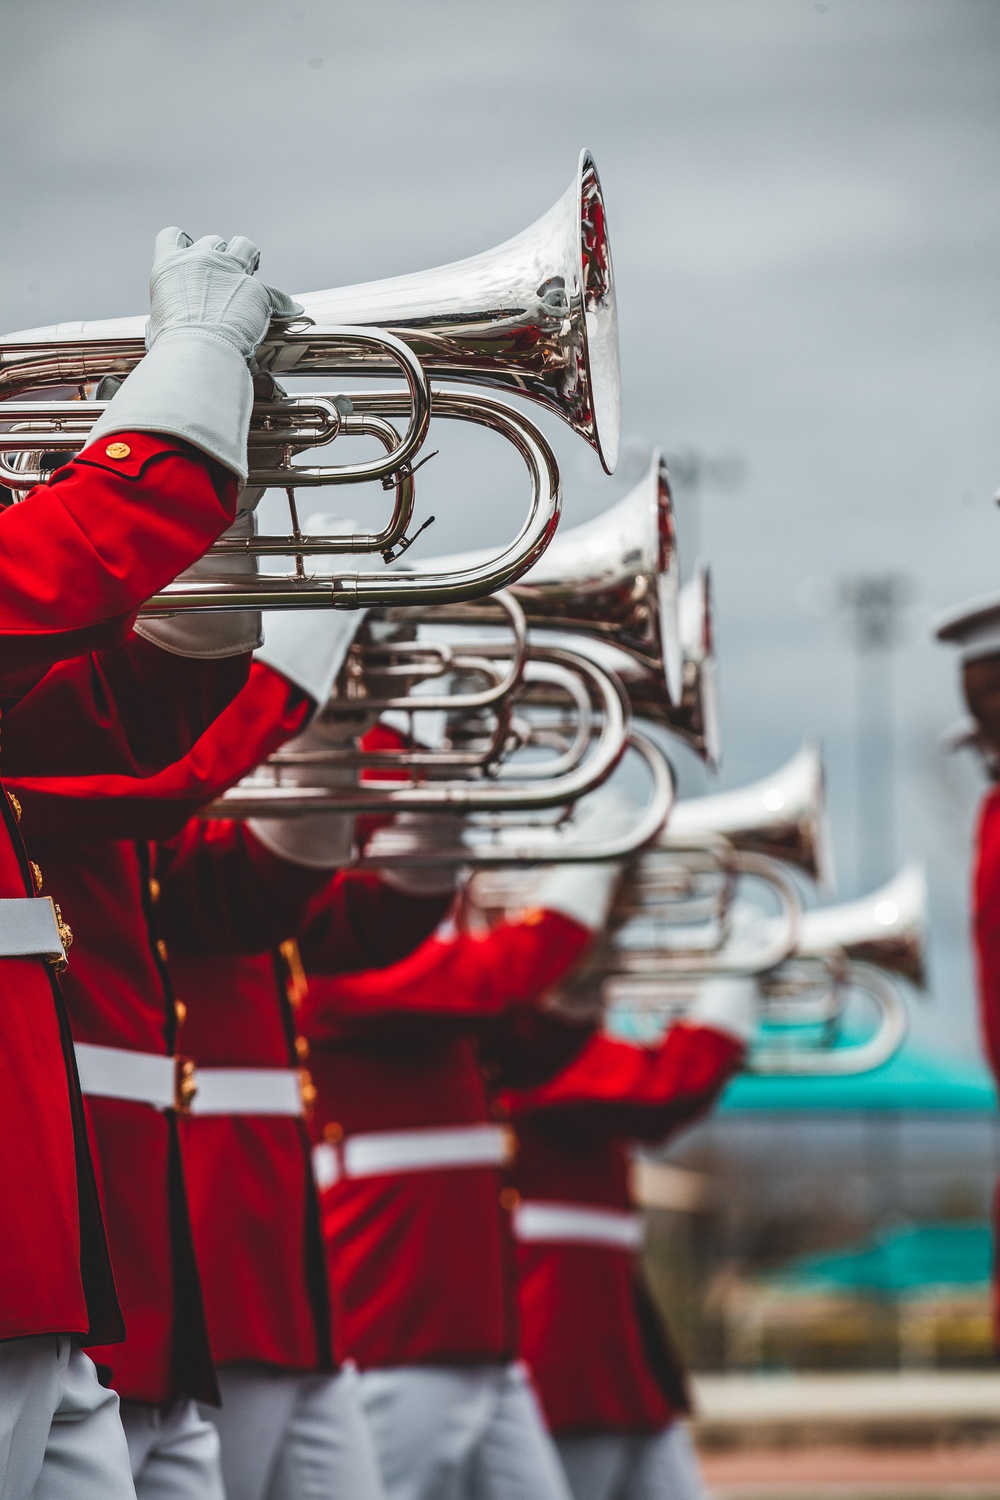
185 1084
59 963
510 1144
307 1091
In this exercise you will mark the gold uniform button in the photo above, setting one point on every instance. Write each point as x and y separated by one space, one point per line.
154 889
118 450
36 876
509 1199
301 1048
180 1011
15 804
334 1133
161 949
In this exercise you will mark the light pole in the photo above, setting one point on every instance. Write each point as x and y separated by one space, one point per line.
876 602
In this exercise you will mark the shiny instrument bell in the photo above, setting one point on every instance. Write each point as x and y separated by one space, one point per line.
886 928
616 577
697 720
783 816
692 714
613 583
855 945
535 316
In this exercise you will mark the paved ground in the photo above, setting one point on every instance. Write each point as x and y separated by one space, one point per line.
933 1436
967 1472
914 1398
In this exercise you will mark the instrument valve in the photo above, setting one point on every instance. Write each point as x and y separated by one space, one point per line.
391 553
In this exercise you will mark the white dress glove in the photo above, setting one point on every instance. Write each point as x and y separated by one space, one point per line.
584 892
413 831
320 840
727 1004
207 317
219 633
308 646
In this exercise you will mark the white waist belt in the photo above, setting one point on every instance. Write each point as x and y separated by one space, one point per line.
29 928
175 1083
578 1224
413 1151
247 1091
118 1073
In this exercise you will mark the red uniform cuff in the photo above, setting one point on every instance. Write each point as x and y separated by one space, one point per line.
130 453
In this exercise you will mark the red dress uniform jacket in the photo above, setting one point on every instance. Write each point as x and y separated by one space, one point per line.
77 557
422 1262
986 924
118 994
249 1177
590 1333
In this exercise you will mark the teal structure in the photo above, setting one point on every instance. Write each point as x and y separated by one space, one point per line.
911 1082
916 1259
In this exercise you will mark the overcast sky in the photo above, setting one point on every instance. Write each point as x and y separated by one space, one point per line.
804 208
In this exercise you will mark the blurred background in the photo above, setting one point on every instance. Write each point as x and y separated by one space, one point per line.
803 208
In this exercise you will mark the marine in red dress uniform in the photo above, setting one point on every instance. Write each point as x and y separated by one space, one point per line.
610 1383
290 1420
411 1159
975 629
222 894
77 558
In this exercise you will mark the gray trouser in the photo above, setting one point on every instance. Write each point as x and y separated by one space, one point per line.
174 1452
445 1432
60 1435
632 1466
294 1437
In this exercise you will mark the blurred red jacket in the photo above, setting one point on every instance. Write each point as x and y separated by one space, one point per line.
249 1175
77 558
119 996
986 932
598 1350
412 1150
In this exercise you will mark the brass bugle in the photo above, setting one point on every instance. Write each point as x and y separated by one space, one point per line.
887 928
692 716
665 1001
451 582
279 428
824 1058
370 665
783 816
614 579
535 317
264 794
853 947
697 718
499 843
706 939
